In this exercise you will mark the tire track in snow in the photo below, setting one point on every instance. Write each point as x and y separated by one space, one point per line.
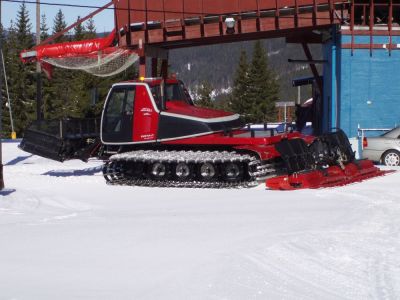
35 208
350 260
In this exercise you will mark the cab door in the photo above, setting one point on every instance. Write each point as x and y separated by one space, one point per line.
117 120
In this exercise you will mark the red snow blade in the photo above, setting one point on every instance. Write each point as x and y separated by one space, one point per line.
332 176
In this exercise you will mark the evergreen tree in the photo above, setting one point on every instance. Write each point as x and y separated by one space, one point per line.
58 91
204 95
59 25
239 101
263 88
90 29
48 93
20 77
24 28
5 120
47 96
79 31
44 30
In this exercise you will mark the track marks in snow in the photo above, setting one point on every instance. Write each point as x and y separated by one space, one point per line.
40 208
339 265
354 259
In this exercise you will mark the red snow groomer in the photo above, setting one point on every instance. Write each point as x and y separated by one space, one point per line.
152 134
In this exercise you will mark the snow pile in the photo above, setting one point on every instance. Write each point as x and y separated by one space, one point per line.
65 234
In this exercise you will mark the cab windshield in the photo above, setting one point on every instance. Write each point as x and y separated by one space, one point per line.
172 92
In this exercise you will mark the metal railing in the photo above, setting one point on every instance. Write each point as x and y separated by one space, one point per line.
361 133
67 128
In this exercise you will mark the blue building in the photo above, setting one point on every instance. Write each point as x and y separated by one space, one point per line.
361 78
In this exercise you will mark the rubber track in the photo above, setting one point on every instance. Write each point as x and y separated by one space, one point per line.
114 176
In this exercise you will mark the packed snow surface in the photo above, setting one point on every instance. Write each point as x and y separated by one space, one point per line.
66 234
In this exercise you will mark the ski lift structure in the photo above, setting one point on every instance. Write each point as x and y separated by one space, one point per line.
354 36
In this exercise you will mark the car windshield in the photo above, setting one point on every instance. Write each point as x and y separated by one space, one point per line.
173 92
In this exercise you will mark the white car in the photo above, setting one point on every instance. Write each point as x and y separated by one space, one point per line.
384 149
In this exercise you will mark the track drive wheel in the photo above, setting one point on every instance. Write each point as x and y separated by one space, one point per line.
158 171
233 172
208 171
183 171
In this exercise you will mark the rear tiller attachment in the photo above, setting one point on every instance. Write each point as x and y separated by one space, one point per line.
328 161
62 140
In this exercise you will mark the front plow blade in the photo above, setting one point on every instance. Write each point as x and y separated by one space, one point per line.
329 177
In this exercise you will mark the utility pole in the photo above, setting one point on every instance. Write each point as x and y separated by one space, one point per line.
1 107
39 114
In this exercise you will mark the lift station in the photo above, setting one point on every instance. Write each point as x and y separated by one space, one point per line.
360 41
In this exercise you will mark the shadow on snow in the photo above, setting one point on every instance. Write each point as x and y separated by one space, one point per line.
70 173
6 192
18 160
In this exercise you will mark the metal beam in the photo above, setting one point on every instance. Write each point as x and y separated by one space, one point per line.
39 111
307 61
231 38
308 37
156 52
58 34
1 110
313 68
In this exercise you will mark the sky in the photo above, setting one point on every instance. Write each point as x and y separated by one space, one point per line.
104 21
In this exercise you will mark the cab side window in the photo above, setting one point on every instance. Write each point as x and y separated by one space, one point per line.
118 115
113 111
130 98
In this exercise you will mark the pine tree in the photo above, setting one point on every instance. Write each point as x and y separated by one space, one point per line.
263 88
47 96
21 79
47 90
239 101
79 31
59 25
44 30
204 95
90 29
58 91
5 121
24 28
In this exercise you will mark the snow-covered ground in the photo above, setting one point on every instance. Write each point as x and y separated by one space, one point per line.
65 234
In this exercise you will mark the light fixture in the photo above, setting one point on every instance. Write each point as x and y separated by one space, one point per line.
230 25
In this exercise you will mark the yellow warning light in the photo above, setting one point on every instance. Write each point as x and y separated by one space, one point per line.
13 135
141 78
